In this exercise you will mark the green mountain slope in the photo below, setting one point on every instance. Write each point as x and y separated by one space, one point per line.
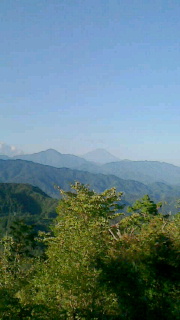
25 202
47 177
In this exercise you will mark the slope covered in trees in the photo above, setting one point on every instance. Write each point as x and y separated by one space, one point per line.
46 178
22 201
93 269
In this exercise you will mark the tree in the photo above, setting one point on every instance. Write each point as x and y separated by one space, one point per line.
144 267
145 206
81 239
98 270
17 262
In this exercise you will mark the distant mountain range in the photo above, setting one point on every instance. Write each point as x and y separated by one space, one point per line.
56 159
100 156
145 172
48 177
142 171
46 170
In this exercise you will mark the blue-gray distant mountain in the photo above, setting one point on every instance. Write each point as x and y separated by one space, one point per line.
4 157
56 159
144 171
47 177
100 156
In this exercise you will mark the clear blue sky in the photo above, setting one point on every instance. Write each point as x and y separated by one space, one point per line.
76 75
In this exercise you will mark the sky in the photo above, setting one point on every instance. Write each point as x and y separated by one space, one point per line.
76 75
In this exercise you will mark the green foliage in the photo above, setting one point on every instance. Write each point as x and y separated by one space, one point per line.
96 271
145 206
144 267
93 269
19 201
70 275
20 251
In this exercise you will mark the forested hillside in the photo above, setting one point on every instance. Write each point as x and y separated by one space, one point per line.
90 268
27 203
48 178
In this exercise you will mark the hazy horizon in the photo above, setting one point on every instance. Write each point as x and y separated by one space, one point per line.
20 152
80 75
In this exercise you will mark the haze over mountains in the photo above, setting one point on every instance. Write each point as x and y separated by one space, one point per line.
56 159
50 168
47 178
100 156
142 171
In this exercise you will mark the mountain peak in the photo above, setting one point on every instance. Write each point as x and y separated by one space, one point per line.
50 151
100 156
